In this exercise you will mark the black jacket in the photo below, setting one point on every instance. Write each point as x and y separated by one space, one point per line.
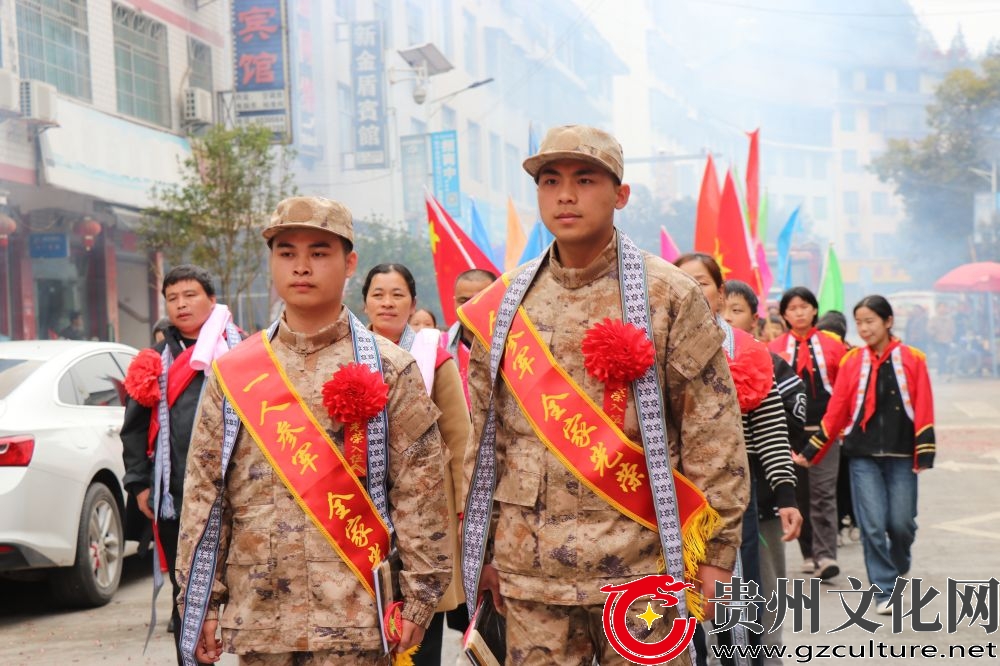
135 431
793 395
889 432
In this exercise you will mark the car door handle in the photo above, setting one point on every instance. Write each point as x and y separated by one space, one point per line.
113 429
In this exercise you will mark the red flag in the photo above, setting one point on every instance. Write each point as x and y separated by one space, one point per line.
668 248
454 253
753 180
707 218
731 247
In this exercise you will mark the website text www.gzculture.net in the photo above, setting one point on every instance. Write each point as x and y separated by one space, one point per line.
804 654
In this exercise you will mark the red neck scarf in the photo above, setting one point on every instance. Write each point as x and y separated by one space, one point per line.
872 389
803 358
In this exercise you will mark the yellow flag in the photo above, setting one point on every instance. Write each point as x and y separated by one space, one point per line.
516 240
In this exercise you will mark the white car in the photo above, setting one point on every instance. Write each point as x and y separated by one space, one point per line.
61 495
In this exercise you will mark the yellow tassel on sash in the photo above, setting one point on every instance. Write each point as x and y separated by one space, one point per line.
405 658
701 526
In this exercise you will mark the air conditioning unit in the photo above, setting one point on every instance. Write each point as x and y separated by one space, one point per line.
198 106
39 101
10 93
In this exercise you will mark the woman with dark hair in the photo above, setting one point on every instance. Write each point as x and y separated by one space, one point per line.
773 327
390 295
833 321
882 404
764 427
422 318
815 355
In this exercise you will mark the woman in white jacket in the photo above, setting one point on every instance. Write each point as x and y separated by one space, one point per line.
390 295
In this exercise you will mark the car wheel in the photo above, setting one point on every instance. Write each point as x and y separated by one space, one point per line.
93 579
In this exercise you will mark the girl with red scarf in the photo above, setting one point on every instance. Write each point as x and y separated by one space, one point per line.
815 355
882 404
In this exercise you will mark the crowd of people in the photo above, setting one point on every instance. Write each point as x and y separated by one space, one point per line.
594 416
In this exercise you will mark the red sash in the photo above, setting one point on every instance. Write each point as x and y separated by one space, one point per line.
574 429
179 377
302 454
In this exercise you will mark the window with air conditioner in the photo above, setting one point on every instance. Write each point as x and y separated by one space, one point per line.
53 44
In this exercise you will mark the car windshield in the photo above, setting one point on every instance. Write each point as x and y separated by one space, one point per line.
13 371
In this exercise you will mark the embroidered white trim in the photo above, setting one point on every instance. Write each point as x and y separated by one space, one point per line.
791 351
896 358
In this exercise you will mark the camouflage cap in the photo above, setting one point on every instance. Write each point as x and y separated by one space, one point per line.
311 213
578 142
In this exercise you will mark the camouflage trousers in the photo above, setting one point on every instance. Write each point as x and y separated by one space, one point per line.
545 634
317 658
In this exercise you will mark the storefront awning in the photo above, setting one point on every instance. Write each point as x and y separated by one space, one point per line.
109 158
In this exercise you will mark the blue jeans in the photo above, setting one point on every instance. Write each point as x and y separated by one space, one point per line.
885 506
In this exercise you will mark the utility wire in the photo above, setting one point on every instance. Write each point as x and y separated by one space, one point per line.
806 12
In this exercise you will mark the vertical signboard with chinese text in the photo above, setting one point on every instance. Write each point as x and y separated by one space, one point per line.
444 160
261 59
305 72
367 74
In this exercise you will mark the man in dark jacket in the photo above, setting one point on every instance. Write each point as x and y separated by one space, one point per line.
155 461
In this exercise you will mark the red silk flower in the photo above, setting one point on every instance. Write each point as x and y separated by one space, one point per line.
753 375
355 394
617 353
142 382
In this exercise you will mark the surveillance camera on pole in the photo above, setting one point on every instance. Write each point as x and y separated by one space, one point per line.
424 61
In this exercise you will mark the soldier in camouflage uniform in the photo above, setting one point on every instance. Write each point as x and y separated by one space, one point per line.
554 542
288 597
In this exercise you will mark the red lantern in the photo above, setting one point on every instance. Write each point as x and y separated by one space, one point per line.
89 228
7 228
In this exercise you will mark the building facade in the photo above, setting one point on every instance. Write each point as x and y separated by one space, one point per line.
508 66
827 90
107 93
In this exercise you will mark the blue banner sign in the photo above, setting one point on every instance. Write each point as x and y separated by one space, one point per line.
368 76
444 163
260 59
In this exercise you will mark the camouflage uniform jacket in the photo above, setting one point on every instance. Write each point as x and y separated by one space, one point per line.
555 541
283 586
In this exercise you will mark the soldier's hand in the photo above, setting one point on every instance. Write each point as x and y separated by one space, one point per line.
209 648
489 580
142 499
708 575
412 634
791 523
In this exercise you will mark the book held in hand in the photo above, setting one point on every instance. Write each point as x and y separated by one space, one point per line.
485 641
389 599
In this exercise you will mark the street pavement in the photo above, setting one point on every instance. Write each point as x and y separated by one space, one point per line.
959 537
